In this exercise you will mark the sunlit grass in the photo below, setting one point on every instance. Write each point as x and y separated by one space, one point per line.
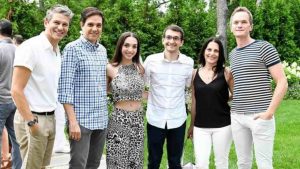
287 140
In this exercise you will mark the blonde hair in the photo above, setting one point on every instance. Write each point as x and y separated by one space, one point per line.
242 9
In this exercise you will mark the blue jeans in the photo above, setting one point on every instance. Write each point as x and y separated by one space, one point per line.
87 152
156 139
7 113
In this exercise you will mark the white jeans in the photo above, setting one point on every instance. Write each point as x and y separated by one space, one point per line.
218 138
248 132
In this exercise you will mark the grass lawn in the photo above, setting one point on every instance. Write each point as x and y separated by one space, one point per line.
287 140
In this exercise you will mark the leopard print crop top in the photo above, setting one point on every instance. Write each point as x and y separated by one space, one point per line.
128 84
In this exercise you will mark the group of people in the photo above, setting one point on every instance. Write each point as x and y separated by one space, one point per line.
81 78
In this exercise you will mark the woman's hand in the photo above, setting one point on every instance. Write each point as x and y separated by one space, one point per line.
190 132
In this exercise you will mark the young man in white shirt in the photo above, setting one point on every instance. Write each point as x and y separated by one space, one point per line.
168 74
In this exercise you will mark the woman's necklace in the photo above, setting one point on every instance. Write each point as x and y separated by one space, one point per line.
208 75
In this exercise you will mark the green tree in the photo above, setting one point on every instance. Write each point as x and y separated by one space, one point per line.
277 21
197 24
141 17
25 17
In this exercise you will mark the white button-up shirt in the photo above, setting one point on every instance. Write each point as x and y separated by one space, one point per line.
38 56
167 81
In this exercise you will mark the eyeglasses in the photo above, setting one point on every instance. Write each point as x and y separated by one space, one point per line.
175 38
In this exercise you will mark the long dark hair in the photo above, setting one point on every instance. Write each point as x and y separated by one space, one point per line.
220 64
117 58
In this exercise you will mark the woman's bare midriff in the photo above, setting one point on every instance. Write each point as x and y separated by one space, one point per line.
128 105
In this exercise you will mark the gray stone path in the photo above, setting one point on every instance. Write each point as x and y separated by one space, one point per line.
61 160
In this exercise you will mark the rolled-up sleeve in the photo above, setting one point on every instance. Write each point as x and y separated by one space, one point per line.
66 80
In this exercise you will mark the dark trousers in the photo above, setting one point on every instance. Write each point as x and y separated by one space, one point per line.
86 153
156 139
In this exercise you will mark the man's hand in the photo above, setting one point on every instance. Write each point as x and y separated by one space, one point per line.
34 130
264 116
74 131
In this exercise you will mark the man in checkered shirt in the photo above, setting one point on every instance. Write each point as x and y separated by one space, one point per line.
82 91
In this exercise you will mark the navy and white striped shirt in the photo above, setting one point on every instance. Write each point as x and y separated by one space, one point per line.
83 82
252 82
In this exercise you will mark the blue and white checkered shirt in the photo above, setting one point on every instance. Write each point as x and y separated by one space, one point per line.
83 82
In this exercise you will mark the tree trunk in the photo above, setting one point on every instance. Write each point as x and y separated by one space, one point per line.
146 9
41 4
10 12
258 2
222 11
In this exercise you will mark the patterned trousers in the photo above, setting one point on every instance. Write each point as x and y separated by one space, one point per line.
125 140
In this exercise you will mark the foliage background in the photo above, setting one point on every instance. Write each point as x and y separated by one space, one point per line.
277 21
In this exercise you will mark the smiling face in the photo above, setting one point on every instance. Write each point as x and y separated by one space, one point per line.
240 25
211 53
172 41
129 48
56 28
92 28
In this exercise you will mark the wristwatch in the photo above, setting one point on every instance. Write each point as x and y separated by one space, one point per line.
32 122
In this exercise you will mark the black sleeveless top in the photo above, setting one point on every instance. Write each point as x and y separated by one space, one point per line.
212 109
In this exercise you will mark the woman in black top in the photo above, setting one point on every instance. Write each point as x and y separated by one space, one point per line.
210 116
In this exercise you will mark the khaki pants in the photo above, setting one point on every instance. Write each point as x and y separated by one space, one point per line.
35 150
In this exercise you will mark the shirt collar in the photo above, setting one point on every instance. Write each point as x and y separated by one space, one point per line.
88 44
46 43
6 40
181 58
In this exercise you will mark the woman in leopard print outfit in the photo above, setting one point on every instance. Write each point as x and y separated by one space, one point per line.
125 138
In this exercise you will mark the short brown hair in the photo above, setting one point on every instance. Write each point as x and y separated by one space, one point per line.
90 11
175 28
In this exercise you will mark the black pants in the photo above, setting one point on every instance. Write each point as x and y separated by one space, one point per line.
156 139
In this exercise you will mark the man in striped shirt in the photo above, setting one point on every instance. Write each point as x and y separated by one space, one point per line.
253 64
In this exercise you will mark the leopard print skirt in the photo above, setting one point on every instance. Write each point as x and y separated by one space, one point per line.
125 140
